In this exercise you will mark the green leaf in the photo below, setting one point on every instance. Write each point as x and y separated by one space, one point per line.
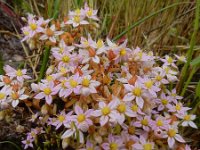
197 91
196 61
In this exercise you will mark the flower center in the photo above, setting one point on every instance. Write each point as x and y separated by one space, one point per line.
92 52
187 117
159 123
47 91
164 101
105 111
148 84
49 78
123 52
86 82
33 26
99 43
144 122
19 73
137 91
171 132
61 118
2 96
77 19
81 118
15 96
169 60
49 32
6 80
158 78
134 108
77 11
131 130
65 59
178 107
113 146
121 108
73 83
147 146
89 12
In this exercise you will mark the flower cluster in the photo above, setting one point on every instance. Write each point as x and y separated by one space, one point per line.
99 93
12 87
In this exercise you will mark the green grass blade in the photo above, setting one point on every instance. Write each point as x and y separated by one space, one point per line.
184 71
144 19
195 62
8 142
1 65
44 63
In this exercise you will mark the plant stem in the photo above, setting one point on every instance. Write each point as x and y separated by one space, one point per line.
144 19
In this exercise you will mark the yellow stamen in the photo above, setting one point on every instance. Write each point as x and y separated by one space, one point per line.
164 101
178 107
113 146
159 123
77 19
2 96
65 59
171 132
61 118
99 43
149 84
19 73
187 117
147 146
137 91
123 52
134 108
144 122
33 26
105 111
73 83
15 96
47 91
121 108
89 12
81 118
86 82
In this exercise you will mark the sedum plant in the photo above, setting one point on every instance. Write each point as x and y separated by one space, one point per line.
96 94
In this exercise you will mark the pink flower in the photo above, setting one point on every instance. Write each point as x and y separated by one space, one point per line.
19 74
160 123
51 34
149 86
114 143
77 20
65 59
178 109
62 47
62 119
169 61
144 122
122 52
163 102
90 146
47 91
88 85
143 144
188 120
106 112
134 92
172 135
16 96
81 118
90 13
73 85
28 142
